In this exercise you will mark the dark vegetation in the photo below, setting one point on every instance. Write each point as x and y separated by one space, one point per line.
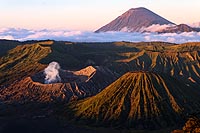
139 100
22 61
6 45
179 64
79 55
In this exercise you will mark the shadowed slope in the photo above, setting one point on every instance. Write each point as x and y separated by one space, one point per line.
74 85
23 61
180 61
139 100
6 45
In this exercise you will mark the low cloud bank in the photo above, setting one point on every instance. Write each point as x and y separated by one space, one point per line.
79 36
156 28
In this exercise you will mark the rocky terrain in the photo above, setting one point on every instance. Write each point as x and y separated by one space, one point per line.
192 125
157 87
179 29
139 100
74 85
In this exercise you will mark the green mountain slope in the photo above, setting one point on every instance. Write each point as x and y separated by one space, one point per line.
138 100
22 61
180 61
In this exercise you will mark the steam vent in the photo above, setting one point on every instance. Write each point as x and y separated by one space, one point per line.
53 74
140 100
55 84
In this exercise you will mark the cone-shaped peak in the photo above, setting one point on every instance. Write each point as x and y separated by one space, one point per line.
139 9
139 100
134 20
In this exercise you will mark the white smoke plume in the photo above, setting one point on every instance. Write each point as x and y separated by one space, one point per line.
52 73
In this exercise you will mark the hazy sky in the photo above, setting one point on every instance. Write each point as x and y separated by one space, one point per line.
88 14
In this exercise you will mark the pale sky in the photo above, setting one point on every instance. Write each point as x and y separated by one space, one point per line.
88 15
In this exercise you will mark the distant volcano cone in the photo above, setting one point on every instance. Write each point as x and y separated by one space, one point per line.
133 20
141 100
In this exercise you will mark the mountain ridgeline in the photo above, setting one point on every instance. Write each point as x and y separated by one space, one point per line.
144 85
103 63
133 20
140 19
74 85
138 100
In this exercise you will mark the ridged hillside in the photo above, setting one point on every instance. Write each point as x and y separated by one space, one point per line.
180 61
179 29
141 100
74 85
23 61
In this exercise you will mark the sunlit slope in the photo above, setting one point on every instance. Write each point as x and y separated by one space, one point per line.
181 61
191 126
22 61
138 100
73 86
26 60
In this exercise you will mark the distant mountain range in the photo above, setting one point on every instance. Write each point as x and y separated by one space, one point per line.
144 20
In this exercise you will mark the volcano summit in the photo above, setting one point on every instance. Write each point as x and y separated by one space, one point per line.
135 19
143 20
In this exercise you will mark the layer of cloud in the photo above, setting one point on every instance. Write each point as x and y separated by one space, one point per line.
79 36
156 28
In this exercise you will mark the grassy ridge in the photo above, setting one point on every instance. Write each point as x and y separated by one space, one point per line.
80 55
22 61
138 100
180 61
